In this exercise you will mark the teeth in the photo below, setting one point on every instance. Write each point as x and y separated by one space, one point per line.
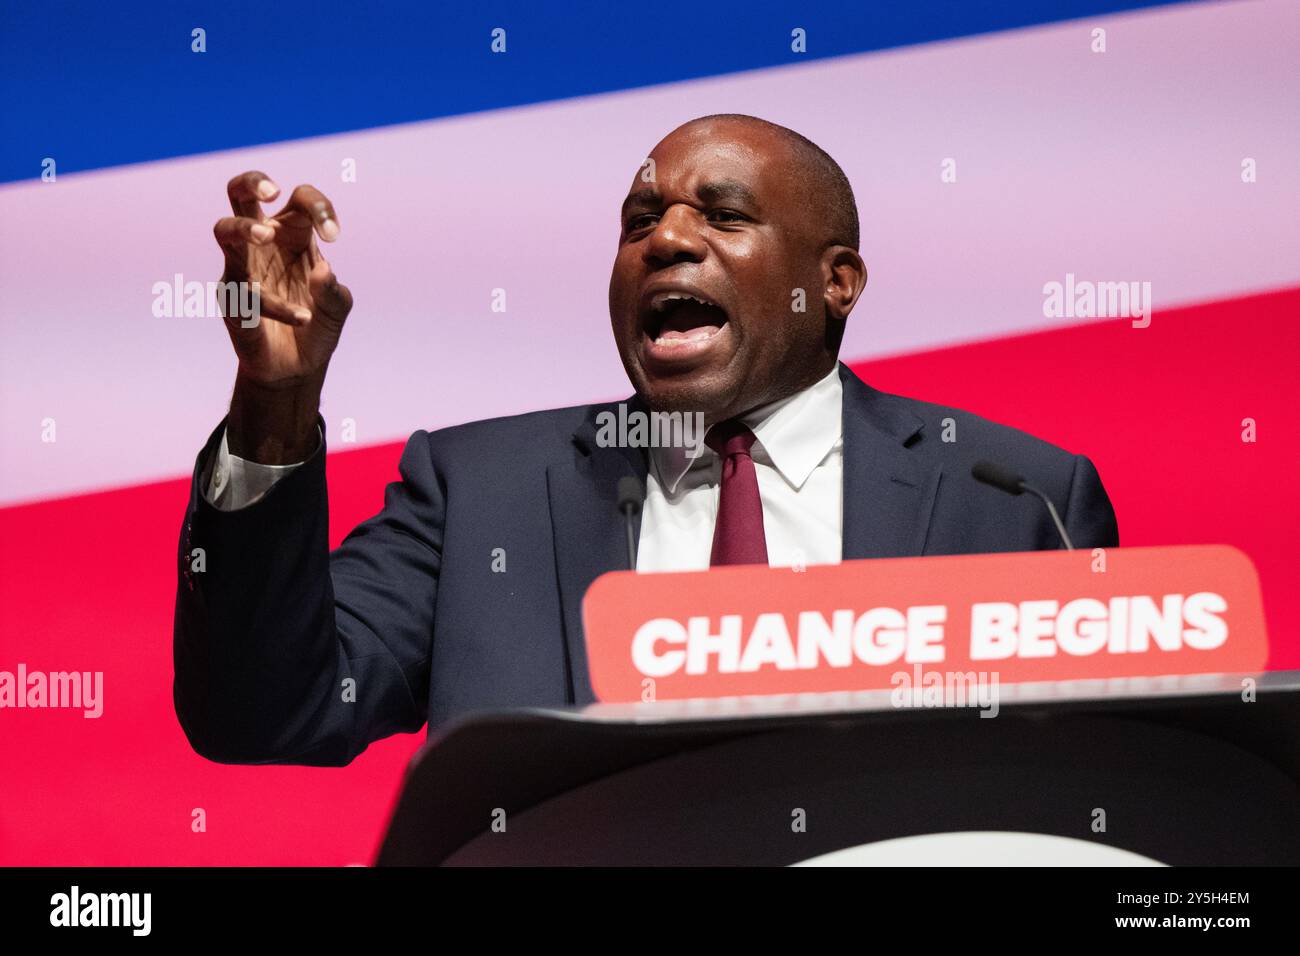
660 302
697 335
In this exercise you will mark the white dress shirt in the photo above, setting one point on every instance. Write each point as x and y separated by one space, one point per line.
798 457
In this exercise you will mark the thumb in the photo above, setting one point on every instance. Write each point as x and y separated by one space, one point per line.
329 296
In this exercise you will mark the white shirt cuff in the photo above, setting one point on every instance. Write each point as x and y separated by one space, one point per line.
235 482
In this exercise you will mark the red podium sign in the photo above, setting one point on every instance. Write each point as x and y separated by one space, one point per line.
1040 616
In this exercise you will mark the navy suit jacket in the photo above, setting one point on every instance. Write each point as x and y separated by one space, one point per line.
410 608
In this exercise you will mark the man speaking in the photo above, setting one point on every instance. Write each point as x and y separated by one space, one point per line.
737 268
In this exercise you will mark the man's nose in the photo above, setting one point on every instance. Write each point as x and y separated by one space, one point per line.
676 237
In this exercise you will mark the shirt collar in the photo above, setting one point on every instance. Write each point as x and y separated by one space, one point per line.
794 435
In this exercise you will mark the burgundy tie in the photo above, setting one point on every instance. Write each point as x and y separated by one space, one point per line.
738 536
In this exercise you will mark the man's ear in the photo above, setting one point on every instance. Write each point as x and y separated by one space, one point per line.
845 275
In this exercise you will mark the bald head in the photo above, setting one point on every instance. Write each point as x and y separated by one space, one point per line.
737 267
827 184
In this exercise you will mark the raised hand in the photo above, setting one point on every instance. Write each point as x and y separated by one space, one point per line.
284 354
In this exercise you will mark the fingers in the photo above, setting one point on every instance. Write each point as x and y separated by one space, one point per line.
307 212
236 231
235 234
309 209
248 191
274 307
269 306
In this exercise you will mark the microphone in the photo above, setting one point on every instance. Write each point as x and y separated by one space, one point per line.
630 496
1004 479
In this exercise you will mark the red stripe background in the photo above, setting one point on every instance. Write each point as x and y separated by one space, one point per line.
86 583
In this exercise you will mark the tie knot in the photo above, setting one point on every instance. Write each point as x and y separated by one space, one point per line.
730 438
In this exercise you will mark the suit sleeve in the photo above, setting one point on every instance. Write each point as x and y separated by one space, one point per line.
1089 515
286 653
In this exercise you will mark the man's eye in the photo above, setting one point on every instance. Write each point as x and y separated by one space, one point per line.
725 215
640 222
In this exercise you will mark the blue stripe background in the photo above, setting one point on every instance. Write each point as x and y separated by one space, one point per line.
102 84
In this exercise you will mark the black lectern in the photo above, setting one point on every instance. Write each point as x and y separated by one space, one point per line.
1178 770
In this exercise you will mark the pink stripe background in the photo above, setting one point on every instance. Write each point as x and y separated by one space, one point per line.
1115 166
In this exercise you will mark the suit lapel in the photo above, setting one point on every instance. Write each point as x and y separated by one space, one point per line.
888 496
888 502
589 535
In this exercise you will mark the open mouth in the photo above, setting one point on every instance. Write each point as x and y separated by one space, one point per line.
682 320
